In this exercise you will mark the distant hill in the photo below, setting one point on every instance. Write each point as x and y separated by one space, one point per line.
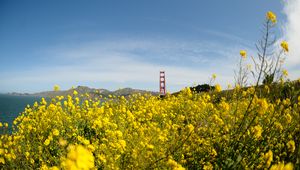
84 89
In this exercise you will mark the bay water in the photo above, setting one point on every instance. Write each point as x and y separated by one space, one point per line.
11 106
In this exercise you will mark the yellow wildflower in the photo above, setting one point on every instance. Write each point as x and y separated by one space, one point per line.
214 152
44 167
288 118
190 128
31 161
263 106
56 87
278 126
1 124
285 73
208 166
218 88
281 166
268 158
257 130
54 168
62 142
1 151
214 76
243 53
47 142
271 16
285 46
291 146
78 158
122 143
55 132
2 160
75 92
27 154
174 165
150 146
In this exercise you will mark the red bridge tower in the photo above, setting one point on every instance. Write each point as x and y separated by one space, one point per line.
162 83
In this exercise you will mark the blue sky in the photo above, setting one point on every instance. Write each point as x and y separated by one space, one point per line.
115 44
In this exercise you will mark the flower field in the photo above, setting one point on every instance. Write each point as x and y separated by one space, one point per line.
190 130
255 127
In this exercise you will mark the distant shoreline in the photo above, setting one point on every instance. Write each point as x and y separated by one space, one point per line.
83 90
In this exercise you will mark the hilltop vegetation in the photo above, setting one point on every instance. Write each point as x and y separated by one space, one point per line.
83 90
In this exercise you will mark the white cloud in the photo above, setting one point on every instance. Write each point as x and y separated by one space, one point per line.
135 63
292 33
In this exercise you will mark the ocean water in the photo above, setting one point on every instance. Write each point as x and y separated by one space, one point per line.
11 106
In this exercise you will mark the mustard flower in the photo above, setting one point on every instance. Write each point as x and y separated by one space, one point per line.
243 53
150 146
285 73
47 142
122 143
56 87
2 160
278 126
263 106
268 158
218 88
190 128
174 165
1 151
55 132
257 130
208 166
288 118
54 168
78 158
285 46
27 154
282 166
214 76
62 142
271 16
214 152
291 146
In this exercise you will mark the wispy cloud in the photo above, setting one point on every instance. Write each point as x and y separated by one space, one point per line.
128 62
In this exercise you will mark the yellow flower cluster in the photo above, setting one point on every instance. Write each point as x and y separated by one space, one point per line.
271 16
214 76
218 88
285 46
285 73
291 146
174 165
187 130
257 130
78 158
282 166
269 158
243 53
56 88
